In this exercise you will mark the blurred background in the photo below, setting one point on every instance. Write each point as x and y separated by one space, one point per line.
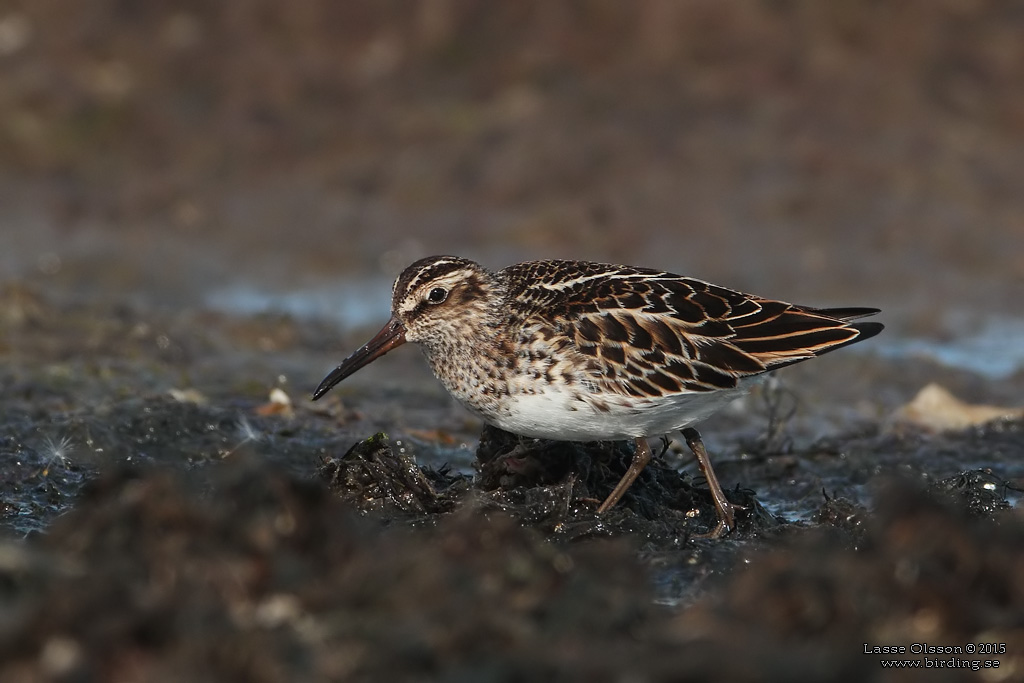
202 208
294 157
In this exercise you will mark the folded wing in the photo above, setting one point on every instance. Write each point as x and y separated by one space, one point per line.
649 333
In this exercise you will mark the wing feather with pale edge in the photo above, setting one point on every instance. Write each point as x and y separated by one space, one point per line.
651 333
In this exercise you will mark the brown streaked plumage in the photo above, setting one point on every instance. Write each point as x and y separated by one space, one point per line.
576 350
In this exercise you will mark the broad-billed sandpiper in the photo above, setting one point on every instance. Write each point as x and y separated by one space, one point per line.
581 351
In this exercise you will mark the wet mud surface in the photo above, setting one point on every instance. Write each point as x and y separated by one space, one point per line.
210 533
201 211
244 571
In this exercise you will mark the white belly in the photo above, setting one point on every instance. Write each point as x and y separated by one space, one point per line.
567 416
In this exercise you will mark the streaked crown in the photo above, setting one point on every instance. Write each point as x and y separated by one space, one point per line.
441 297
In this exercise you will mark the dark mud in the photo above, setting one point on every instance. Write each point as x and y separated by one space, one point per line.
241 571
202 531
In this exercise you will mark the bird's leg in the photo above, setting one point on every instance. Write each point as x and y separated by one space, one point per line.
725 509
641 457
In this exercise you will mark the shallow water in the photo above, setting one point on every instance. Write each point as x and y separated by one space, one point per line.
348 303
993 349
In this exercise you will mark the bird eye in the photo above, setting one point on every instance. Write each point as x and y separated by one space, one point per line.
437 295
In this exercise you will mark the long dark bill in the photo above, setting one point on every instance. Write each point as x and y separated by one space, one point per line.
388 338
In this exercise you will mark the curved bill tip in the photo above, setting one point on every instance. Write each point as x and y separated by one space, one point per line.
392 335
